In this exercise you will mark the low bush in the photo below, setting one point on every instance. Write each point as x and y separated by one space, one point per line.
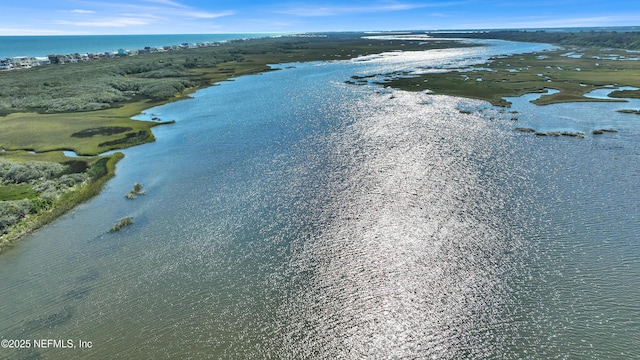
12 212
121 223
98 169
19 173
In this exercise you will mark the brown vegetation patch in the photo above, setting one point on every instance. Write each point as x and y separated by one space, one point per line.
75 166
102 130
131 138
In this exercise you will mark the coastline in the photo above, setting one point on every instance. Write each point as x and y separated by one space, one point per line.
53 131
44 45
255 59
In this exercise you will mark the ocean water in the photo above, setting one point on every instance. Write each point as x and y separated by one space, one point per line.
11 46
291 215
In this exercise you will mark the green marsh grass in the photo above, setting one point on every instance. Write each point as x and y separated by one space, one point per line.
16 192
517 75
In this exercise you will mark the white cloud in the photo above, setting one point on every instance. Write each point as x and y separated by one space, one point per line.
80 11
313 11
146 14
108 22
310 11
164 8
167 2
206 15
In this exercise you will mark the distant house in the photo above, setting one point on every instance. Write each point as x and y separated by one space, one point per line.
23 62
54 59
6 64
148 50
39 61
61 59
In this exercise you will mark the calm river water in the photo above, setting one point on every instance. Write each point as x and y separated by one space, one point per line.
292 215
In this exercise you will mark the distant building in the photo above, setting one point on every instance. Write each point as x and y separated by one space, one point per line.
23 62
6 64
39 61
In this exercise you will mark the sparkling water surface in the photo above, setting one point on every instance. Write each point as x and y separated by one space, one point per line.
292 215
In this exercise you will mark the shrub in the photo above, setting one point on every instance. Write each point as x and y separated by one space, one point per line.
71 180
121 223
163 89
46 185
18 173
98 169
6 221
137 190
11 212
92 106
15 207
40 204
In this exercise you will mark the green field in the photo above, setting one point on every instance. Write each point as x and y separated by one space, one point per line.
51 132
16 192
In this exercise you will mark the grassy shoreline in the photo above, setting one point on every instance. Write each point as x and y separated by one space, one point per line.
61 206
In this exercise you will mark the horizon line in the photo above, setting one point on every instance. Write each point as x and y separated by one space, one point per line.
347 31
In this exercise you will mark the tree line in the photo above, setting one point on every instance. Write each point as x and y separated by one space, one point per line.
629 40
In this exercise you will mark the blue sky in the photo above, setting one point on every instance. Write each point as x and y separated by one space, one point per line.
62 17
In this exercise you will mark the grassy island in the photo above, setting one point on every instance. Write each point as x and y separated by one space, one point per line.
585 63
521 74
121 223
